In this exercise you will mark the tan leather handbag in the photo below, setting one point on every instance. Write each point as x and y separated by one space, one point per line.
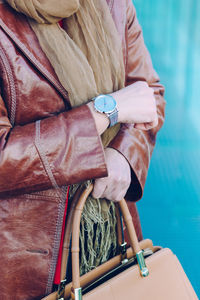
138 273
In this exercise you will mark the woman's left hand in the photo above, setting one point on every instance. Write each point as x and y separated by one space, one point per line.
115 186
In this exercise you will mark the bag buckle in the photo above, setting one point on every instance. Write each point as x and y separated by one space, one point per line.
61 290
123 253
147 252
142 265
78 294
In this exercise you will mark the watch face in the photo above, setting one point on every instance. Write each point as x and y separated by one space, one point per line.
105 103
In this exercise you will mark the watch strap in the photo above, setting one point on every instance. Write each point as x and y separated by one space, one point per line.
113 117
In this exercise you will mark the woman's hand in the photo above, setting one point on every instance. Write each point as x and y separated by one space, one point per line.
115 186
136 104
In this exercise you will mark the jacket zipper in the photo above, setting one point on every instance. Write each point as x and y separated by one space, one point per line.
57 236
11 84
35 62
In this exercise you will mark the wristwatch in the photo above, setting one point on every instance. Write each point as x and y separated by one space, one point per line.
106 104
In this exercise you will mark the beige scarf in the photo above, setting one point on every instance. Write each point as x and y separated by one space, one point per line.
87 58
87 55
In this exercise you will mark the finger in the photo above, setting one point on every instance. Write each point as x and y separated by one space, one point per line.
99 188
144 126
141 84
140 126
155 122
109 192
151 90
120 196
117 190
115 195
151 124
142 88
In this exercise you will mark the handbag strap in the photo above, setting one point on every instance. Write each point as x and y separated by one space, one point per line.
76 289
64 290
68 234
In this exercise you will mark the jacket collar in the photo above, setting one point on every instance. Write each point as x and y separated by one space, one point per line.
15 25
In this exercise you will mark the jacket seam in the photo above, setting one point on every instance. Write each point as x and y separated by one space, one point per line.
57 236
12 87
40 197
20 185
59 220
43 156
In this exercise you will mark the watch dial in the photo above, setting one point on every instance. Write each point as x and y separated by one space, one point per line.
105 103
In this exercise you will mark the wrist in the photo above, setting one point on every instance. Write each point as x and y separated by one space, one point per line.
101 120
116 96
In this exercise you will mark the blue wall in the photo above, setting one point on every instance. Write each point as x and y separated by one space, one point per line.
170 208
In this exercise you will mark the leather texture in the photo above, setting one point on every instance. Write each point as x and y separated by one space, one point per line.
42 150
167 280
95 274
72 229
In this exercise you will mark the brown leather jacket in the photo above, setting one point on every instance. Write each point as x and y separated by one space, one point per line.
42 149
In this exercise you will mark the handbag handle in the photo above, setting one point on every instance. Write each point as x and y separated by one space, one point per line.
76 289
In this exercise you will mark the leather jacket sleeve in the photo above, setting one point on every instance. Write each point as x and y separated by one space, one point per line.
137 145
51 152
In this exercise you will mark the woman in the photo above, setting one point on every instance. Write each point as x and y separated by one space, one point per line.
50 131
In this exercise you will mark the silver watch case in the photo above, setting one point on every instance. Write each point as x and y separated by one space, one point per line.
106 104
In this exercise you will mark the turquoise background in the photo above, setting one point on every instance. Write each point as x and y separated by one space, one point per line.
170 208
